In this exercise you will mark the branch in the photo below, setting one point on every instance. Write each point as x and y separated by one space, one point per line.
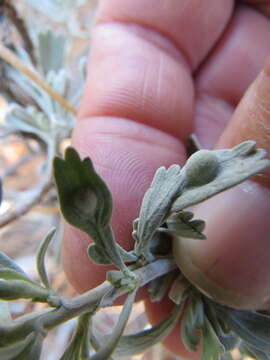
19 329
31 197
16 62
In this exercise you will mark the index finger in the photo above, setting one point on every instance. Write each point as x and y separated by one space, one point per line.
138 103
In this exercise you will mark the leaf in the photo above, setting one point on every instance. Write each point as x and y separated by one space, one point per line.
51 51
156 205
250 326
179 289
86 203
80 339
159 287
180 224
233 167
109 346
248 350
10 274
192 321
137 343
84 197
29 349
57 11
41 258
6 262
228 339
99 256
17 289
33 350
211 346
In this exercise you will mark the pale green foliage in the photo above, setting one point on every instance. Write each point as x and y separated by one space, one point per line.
86 203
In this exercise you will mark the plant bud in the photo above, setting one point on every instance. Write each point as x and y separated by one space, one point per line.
85 201
201 168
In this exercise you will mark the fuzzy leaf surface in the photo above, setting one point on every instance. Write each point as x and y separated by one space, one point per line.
112 340
41 258
180 224
156 205
86 202
252 327
235 166
192 321
137 343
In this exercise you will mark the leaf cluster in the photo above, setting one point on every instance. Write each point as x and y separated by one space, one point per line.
86 203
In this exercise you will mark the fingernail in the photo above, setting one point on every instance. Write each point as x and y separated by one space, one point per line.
232 265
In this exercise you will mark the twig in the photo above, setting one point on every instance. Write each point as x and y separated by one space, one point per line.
85 303
16 62
13 168
30 198
11 13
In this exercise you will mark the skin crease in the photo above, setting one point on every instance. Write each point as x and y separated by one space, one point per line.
156 73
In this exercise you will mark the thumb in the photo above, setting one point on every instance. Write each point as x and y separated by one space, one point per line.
232 265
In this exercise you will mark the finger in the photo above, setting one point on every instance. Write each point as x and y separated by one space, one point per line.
141 57
222 80
232 266
138 103
261 5
125 152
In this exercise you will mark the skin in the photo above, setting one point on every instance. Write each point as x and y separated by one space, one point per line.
158 71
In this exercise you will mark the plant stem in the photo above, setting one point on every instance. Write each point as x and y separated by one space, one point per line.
16 62
88 302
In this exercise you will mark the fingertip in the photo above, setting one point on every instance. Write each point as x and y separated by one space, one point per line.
126 154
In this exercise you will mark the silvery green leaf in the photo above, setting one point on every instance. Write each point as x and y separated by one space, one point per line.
112 340
159 287
51 49
135 229
98 255
33 350
10 274
211 346
6 262
250 351
180 224
127 256
56 10
41 258
227 338
28 120
192 321
114 277
156 205
86 202
179 289
18 289
250 326
79 344
29 349
209 172
133 344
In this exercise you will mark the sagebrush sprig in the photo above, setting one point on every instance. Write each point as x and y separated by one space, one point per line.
86 203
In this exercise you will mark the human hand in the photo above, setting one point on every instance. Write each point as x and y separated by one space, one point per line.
158 71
